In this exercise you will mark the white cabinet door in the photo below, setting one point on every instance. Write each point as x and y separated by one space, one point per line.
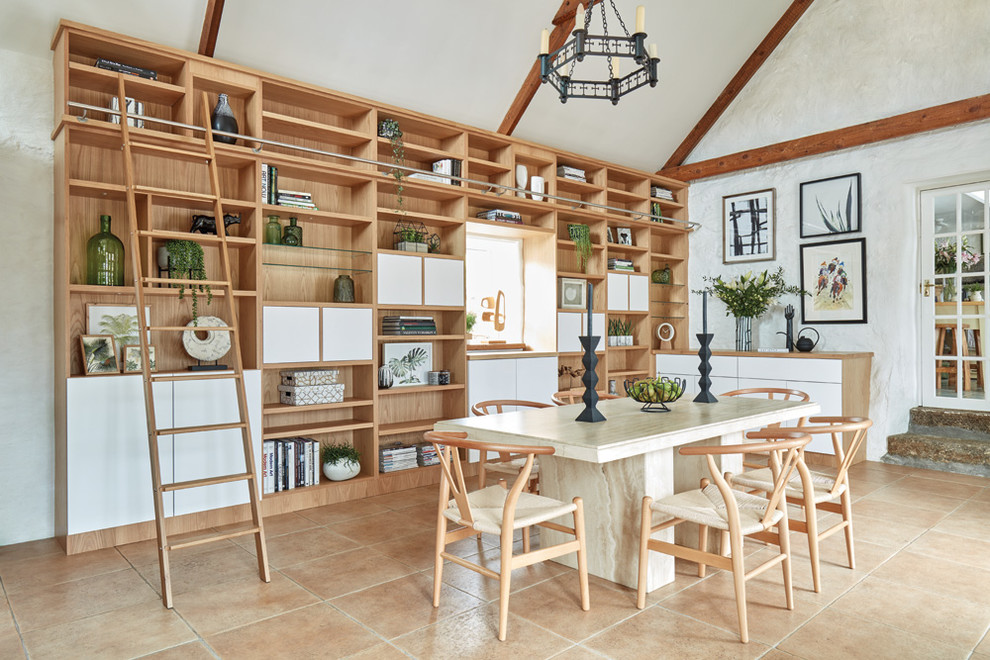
291 334
199 455
491 379
639 293
108 478
400 279
443 282
536 378
618 292
568 331
348 333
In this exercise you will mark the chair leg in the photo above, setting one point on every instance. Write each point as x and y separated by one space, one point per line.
847 516
739 580
438 560
504 583
582 554
811 521
481 472
644 539
723 543
703 547
784 540
525 537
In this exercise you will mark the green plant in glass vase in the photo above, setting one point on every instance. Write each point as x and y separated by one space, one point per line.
747 297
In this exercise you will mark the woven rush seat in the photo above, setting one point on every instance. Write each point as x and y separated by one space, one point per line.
707 507
823 484
487 505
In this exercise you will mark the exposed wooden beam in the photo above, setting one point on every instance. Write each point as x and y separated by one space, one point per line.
211 27
748 69
909 123
563 22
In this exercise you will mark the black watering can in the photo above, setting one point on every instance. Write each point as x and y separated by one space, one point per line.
804 344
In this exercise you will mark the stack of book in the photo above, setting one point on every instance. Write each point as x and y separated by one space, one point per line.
290 463
500 215
299 200
661 193
269 184
427 455
573 173
129 69
450 166
409 325
398 457
620 264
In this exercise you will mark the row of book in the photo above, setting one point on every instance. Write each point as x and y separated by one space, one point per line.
299 200
409 325
270 193
615 263
290 463
406 457
129 69
451 166
500 215
661 193
572 173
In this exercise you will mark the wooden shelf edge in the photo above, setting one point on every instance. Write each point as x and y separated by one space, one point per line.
418 389
281 408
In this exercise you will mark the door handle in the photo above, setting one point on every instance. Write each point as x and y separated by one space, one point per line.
927 286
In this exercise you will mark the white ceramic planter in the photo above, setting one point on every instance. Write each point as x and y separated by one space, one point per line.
341 470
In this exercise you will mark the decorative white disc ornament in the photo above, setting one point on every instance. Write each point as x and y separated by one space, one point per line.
216 344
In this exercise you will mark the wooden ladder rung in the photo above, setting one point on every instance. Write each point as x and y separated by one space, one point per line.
202 428
212 538
183 328
180 235
175 194
171 152
208 481
188 282
193 376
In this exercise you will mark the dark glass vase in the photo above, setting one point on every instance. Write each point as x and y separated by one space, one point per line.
292 233
222 119
343 289
105 257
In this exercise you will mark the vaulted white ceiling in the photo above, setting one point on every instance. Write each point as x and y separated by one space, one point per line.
459 59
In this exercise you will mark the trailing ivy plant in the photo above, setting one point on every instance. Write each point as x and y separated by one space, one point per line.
186 262
581 235
390 128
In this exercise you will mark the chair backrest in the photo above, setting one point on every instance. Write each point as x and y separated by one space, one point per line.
786 450
567 397
495 406
774 393
836 427
452 482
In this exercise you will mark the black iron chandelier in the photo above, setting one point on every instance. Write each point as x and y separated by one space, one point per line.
557 68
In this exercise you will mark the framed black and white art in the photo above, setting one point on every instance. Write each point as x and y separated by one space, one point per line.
749 227
831 206
834 274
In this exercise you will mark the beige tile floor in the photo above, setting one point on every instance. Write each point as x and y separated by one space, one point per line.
355 580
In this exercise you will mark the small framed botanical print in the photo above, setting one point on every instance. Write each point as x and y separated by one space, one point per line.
99 355
133 362
749 227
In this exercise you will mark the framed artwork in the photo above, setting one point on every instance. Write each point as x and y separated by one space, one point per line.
572 293
749 227
831 206
99 355
132 359
834 273
624 234
120 321
608 234
409 362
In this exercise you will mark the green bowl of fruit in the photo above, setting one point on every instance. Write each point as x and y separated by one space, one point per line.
653 393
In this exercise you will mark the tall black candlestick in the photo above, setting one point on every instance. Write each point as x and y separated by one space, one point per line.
591 292
704 312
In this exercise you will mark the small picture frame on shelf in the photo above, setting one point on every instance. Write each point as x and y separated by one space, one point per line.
572 293
133 364
409 362
624 235
608 234
99 355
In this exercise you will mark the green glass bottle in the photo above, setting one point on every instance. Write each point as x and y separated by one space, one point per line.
105 257
292 234
273 231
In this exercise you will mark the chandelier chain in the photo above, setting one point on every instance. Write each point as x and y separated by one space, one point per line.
608 48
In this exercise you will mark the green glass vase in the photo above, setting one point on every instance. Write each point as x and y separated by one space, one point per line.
292 233
105 257
343 289
273 231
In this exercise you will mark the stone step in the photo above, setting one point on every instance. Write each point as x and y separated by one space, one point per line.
963 424
939 452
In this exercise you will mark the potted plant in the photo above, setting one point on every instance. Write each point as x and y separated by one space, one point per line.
581 235
619 332
749 296
412 240
341 461
184 260
471 318
974 291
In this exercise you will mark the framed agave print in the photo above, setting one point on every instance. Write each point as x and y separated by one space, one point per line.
99 355
409 362
831 206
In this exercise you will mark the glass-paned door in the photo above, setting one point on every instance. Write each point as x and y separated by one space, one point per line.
954 251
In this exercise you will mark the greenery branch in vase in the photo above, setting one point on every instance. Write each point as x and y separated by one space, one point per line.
186 262
747 297
389 128
581 235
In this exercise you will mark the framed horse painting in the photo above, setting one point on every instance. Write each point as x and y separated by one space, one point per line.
834 274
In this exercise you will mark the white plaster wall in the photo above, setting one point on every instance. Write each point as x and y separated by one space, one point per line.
847 62
892 173
26 367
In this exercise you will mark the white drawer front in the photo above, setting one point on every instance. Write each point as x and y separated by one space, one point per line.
811 369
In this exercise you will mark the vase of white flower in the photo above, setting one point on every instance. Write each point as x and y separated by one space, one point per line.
747 297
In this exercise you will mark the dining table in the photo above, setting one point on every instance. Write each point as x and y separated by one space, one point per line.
613 464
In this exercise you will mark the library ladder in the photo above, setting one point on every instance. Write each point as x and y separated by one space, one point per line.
256 527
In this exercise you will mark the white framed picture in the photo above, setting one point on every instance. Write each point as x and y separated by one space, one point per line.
119 321
572 293
409 362
624 235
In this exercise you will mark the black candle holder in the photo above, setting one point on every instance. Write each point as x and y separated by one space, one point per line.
590 380
705 369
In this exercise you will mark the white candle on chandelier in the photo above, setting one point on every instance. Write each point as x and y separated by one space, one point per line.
579 17
544 42
653 52
641 19
615 68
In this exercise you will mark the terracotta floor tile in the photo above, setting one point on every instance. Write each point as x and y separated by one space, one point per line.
212 610
384 651
317 631
965 479
194 571
474 634
969 521
685 575
660 633
944 618
295 548
578 652
898 513
885 532
78 599
910 497
984 646
404 605
939 576
346 572
833 551
486 588
427 496
777 654
7 626
932 485
417 550
556 605
191 651
863 487
982 496
11 647
30 574
836 578
124 633
833 635
335 513
29 550
285 523
962 549
378 528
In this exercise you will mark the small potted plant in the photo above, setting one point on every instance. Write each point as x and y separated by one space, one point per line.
619 333
341 461
974 291
470 321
